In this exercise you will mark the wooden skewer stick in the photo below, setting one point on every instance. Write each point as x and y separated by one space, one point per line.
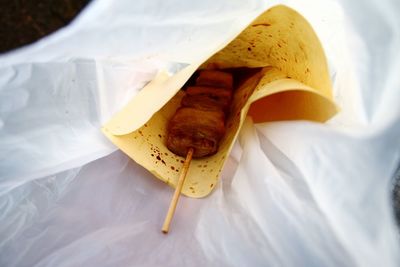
178 189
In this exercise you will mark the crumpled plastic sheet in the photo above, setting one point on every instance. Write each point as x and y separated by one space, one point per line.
67 198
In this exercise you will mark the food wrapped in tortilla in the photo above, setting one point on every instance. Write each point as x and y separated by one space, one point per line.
290 81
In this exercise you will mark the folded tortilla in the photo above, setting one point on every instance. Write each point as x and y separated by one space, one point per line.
292 83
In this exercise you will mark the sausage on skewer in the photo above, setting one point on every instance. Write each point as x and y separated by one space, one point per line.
200 121
198 125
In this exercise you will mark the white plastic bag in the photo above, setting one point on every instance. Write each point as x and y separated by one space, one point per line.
322 202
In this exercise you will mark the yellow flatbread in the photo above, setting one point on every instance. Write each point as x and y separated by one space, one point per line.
292 83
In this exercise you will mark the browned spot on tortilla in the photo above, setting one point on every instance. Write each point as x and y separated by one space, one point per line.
261 24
